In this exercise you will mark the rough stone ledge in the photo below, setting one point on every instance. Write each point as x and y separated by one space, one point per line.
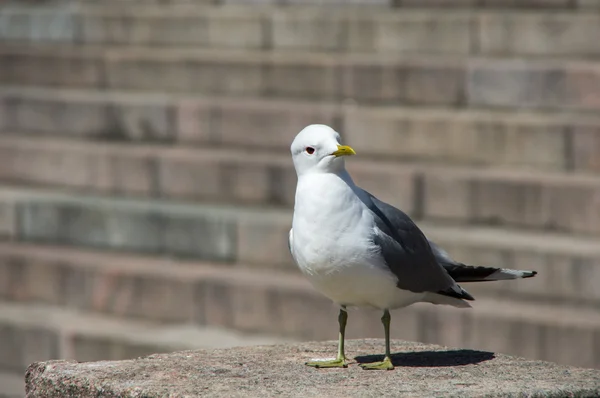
278 370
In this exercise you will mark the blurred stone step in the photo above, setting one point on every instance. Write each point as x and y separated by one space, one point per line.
491 4
154 289
555 202
12 384
545 141
234 237
225 234
256 27
253 3
34 332
501 4
237 73
371 30
549 84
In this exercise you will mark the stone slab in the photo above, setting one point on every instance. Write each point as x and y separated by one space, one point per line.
422 371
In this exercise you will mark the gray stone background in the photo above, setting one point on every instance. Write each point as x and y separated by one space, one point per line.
146 186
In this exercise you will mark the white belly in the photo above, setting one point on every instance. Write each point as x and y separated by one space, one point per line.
367 283
362 286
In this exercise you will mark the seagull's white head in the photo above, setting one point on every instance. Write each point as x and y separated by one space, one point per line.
317 149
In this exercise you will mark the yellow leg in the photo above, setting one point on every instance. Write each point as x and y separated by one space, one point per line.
386 364
340 361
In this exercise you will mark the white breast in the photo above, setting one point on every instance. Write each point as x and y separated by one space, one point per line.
331 242
327 222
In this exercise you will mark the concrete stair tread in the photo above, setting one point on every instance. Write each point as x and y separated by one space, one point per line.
266 156
301 10
550 242
256 238
565 5
555 243
260 26
13 385
557 201
239 56
189 272
494 138
451 81
134 331
385 110
304 57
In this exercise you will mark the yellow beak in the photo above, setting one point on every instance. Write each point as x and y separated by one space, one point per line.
344 150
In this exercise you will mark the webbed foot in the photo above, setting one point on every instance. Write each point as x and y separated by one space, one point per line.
386 364
328 363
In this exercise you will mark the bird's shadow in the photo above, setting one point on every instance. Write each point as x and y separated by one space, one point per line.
432 358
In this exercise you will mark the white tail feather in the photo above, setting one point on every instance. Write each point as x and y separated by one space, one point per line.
505 273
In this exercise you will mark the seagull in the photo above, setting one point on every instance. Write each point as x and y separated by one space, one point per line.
362 252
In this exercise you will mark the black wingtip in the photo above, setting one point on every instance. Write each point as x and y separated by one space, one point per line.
467 296
529 274
463 295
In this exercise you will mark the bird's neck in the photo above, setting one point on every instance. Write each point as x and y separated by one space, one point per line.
319 195
344 176
325 183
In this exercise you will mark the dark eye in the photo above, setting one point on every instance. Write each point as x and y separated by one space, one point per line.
310 150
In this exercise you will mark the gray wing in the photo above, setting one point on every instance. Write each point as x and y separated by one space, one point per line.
407 252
